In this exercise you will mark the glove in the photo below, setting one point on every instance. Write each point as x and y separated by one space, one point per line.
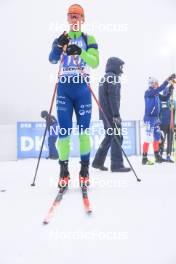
117 121
118 128
172 77
73 50
171 88
63 40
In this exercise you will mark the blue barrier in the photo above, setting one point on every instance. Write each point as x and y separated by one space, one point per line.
30 135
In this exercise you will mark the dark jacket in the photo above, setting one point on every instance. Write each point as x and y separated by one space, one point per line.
165 113
109 90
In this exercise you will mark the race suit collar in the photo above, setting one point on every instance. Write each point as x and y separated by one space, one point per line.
74 34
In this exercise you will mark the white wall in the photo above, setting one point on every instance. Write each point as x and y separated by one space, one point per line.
27 33
8 142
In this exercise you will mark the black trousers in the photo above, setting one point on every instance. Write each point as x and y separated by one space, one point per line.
168 134
115 152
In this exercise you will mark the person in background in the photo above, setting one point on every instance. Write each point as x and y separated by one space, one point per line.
51 121
151 118
109 98
166 127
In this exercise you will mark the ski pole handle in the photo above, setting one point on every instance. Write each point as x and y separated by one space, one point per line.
65 46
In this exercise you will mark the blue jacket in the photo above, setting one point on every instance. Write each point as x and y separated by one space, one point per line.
152 103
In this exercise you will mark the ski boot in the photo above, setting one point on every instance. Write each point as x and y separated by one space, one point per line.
168 159
145 160
84 174
100 167
121 169
64 174
158 158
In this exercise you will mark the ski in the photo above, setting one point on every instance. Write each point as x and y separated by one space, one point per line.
55 205
86 202
58 199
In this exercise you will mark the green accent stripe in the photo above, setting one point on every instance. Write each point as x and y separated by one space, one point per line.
74 34
85 146
63 148
91 56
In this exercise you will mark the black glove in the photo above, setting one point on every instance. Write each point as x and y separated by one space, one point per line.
63 40
118 128
73 50
172 77
171 88
117 121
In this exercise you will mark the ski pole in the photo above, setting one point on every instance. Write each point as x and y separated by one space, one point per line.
108 123
115 137
44 135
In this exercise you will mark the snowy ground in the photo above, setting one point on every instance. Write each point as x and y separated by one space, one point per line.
131 222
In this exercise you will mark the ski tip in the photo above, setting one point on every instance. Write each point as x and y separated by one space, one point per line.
3 190
89 211
139 180
45 222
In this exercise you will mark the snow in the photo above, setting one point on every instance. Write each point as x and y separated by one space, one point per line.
131 222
